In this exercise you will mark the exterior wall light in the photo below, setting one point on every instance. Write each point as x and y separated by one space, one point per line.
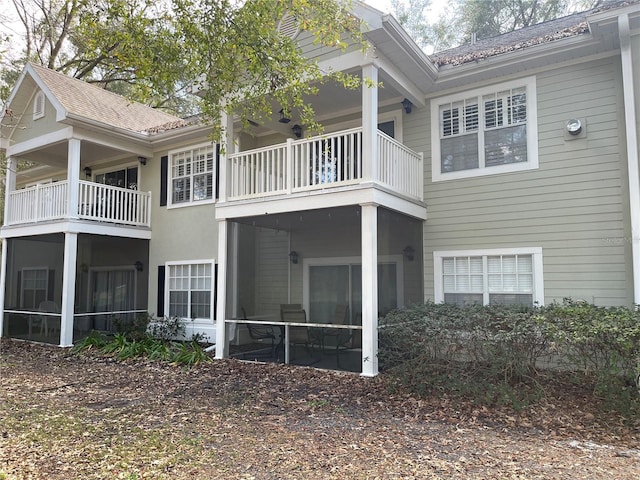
574 126
409 253
142 160
297 130
87 172
139 266
293 255
407 105
283 117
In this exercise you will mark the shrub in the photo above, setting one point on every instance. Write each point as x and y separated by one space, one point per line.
494 352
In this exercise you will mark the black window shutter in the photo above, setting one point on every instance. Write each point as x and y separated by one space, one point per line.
217 171
19 290
164 174
160 291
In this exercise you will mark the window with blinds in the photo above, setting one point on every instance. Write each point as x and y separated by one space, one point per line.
485 131
192 174
488 279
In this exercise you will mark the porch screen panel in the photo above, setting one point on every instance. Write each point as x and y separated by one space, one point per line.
328 287
113 290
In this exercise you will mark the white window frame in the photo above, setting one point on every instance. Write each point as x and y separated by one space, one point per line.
529 83
167 290
22 280
39 102
535 252
170 176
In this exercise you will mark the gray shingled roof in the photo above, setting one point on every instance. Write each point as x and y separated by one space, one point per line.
545 32
93 103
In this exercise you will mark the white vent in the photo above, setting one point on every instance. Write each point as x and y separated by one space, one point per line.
38 106
289 26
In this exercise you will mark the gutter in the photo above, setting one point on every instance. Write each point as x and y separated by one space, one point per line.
626 56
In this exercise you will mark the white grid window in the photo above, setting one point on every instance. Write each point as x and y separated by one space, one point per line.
489 277
192 174
490 130
35 284
190 290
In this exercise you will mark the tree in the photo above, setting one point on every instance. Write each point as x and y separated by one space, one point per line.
488 18
152 52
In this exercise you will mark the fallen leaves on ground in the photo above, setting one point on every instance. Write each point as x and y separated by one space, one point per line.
65 416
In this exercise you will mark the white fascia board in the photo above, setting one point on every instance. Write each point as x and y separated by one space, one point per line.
61 112
75 226
401 82
403 40
39 142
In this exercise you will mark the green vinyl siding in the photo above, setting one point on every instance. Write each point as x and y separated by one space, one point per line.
574 206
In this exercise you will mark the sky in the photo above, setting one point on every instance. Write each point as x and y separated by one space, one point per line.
437 6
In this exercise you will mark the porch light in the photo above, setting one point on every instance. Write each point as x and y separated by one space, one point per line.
283 117
87 172
142 160
139 266
297 130
408 253
293 255
406 104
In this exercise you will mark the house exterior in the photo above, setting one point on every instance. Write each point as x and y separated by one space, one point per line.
500 172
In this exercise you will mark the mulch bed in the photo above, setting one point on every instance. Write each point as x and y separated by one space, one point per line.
67 416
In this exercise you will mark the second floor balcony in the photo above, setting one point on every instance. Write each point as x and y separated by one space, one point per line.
324 162
95 202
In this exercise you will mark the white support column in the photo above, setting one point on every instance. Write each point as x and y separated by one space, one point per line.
73 177
3 283
370 124
369 290
222 344
630 100
68 289
226 148
10 184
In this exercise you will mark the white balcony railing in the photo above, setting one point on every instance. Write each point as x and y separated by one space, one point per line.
97 202
322 162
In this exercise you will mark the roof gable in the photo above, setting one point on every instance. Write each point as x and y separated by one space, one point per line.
75 98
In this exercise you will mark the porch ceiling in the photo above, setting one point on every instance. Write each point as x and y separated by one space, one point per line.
333 103
55 155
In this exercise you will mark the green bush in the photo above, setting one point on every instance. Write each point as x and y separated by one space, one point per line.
154 343
494 353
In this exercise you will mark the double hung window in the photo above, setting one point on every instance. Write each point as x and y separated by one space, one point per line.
190 288
489 277
490 130
192 174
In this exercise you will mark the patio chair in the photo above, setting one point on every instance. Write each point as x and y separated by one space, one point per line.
260 333
297 335
341 336
48 322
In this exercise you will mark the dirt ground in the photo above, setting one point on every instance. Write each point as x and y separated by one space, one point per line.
64 416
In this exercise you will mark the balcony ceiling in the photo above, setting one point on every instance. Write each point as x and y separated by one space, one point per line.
55 155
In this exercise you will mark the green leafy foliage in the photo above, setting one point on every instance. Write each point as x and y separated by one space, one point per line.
153 340
499 353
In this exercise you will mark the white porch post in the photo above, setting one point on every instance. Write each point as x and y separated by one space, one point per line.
68 288
369 290
628 57
9 185
222 344
3 283
226 144
370 124
73 177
